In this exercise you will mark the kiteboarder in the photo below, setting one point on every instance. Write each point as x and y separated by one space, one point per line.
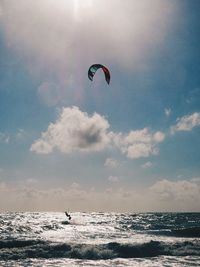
68 216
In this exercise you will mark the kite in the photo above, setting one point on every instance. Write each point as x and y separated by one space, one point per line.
92 70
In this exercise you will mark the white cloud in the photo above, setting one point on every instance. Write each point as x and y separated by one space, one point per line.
158 137
186 123
147 164
21 133
111 163
139 143
193 95
41 146
74 131
4 138
139 150
168 112
113 179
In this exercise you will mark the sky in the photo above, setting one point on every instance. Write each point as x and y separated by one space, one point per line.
67 143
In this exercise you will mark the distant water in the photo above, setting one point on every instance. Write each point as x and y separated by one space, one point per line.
100 239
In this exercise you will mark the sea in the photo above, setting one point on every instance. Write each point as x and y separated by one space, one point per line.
99 239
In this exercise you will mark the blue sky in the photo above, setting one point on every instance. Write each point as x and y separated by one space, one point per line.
65 139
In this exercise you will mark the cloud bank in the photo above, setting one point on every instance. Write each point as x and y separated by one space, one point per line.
185 191
76 131
164 195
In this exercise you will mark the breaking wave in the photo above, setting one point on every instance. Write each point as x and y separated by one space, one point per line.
15 250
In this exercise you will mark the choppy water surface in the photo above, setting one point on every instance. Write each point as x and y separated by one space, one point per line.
100 239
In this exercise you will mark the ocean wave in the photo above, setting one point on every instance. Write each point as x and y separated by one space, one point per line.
192 232
187 232
18 243
15 250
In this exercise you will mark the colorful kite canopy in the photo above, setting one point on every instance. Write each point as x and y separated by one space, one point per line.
92 70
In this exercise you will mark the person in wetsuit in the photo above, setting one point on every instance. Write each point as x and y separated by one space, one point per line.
68 216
